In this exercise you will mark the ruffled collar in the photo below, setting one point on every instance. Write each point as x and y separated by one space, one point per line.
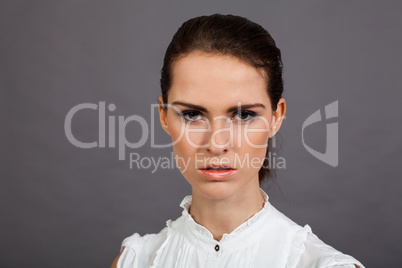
186 203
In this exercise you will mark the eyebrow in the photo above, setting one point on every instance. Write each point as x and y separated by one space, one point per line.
189 105
229 110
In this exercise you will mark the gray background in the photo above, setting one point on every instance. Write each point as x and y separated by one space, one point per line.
62 206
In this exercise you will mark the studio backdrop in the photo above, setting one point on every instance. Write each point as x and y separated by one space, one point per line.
85 162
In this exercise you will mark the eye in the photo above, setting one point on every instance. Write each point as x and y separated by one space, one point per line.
190 115
244 115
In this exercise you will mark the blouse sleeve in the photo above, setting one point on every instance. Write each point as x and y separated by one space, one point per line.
127 258
320 255
344 261
129 255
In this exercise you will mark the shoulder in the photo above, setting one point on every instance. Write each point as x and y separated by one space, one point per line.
319 254
148 241
137 250
141 251
145 244
306 249
310 251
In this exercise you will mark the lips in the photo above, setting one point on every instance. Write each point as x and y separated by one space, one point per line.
217 171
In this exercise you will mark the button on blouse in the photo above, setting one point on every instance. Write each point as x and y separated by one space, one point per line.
267 239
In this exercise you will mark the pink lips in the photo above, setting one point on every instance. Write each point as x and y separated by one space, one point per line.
217 174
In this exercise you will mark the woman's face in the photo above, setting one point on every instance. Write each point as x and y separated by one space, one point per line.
218 113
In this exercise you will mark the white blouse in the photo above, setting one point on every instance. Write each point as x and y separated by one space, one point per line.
267 239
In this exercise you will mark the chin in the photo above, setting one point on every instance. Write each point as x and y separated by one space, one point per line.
217 190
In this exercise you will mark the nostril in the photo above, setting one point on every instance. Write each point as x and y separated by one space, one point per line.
217 150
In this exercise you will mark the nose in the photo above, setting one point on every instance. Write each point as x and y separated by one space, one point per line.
220 136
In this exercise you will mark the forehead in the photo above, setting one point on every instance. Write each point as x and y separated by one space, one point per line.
216 79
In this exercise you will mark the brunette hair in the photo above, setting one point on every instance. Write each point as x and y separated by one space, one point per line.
235 36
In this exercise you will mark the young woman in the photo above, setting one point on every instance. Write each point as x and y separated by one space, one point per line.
222 104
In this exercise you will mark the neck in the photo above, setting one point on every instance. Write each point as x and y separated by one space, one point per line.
221 216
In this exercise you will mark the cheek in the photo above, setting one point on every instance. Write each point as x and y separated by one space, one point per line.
254 141
256 134
257 140
188 136
175 128
175 132
182 148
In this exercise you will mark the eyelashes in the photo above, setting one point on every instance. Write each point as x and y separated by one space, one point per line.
240 116
190 115
249 115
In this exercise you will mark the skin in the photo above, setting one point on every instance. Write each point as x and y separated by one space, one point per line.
217 82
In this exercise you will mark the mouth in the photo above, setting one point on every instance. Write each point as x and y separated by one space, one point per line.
217 167
217 172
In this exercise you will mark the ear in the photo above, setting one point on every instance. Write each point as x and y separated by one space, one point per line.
277 117
163 115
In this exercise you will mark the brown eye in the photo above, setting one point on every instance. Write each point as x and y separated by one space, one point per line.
244 115
190 115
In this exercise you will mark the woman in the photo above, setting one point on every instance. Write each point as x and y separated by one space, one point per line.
222 104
